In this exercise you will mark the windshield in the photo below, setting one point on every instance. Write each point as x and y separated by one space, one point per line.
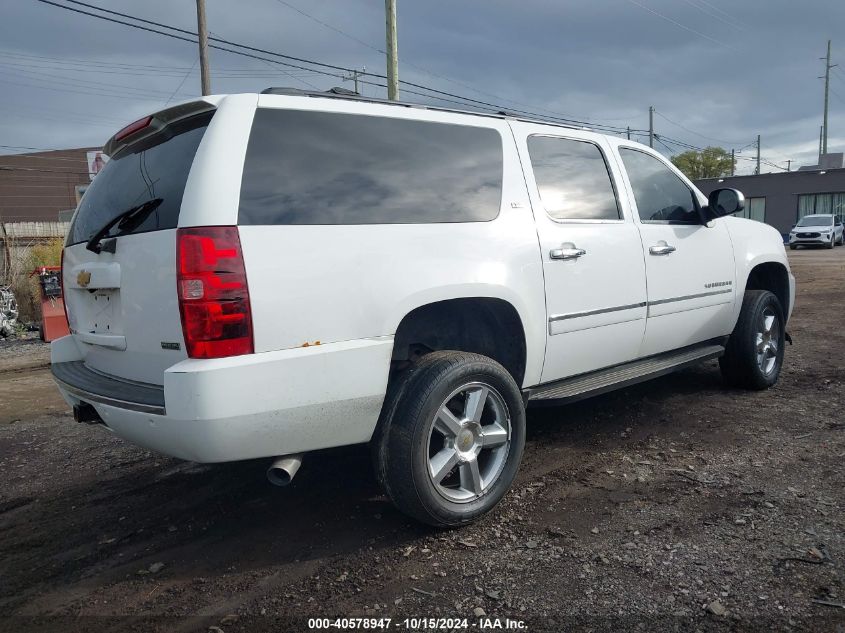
157 169
816 220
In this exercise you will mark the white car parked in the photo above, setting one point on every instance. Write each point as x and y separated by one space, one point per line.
817 230
259 276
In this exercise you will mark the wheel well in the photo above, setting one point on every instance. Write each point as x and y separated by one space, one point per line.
773 277
486 326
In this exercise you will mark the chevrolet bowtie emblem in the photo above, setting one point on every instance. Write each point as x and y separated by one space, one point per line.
83 278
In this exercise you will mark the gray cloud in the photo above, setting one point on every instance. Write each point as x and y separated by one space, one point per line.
604 61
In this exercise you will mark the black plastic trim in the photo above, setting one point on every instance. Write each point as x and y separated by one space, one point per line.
93 387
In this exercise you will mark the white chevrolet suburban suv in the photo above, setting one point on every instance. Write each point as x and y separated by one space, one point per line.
263 275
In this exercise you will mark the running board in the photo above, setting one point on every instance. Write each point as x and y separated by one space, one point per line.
603 380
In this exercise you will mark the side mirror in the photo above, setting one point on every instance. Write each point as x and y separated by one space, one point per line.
722 202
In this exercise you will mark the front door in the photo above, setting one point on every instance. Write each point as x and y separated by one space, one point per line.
690 266
592 259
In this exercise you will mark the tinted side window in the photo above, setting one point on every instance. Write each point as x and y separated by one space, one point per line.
329 168
660 195
156 169
572 179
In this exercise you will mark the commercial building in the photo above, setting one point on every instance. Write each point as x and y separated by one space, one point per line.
781 199
38 186
38 193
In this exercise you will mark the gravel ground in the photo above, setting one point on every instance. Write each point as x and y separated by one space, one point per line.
673 505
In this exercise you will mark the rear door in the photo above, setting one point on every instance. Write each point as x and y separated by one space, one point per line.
122 305
592 259
689 265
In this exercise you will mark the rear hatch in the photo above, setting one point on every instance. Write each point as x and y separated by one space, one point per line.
122 304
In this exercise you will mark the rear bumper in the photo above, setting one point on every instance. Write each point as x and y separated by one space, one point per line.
74 378
243 407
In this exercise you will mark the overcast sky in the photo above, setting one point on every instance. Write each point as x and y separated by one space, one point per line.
717 71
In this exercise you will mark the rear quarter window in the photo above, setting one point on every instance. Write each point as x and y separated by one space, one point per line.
330 168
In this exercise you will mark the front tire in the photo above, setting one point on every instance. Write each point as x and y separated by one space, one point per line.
832 242
754 355
451 438
792 247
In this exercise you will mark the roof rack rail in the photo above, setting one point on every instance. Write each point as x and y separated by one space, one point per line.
336 93
344 93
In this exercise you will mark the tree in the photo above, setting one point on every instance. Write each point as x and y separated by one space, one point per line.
711 162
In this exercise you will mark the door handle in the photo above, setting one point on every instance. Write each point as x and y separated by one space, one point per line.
661 248
567 250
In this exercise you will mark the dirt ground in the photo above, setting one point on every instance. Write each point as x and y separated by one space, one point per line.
677 504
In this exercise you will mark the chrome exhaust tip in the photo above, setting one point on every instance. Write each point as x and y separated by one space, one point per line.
283 469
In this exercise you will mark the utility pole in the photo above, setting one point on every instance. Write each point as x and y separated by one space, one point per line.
827 67
392 50
629 132
789 165
733 163
202 31
821 136
651 126
354 77
758 155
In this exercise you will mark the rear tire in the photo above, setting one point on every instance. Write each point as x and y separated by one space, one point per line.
450 438
754 355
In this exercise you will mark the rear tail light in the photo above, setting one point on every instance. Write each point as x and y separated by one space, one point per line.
213 293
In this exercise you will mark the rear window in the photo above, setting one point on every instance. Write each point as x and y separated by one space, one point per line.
330 168
156 169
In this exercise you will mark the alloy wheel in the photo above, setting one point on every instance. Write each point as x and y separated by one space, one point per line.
468 443
767 341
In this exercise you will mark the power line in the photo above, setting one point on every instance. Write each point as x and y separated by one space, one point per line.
412 65
683 26
837 95
682 144
186 32
467 100
54 79
713 15
683 127
723 12
69 90
670 150
182 83
228 74
331 27
81 65
661 138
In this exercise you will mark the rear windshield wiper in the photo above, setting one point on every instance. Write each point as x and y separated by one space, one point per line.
135 214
